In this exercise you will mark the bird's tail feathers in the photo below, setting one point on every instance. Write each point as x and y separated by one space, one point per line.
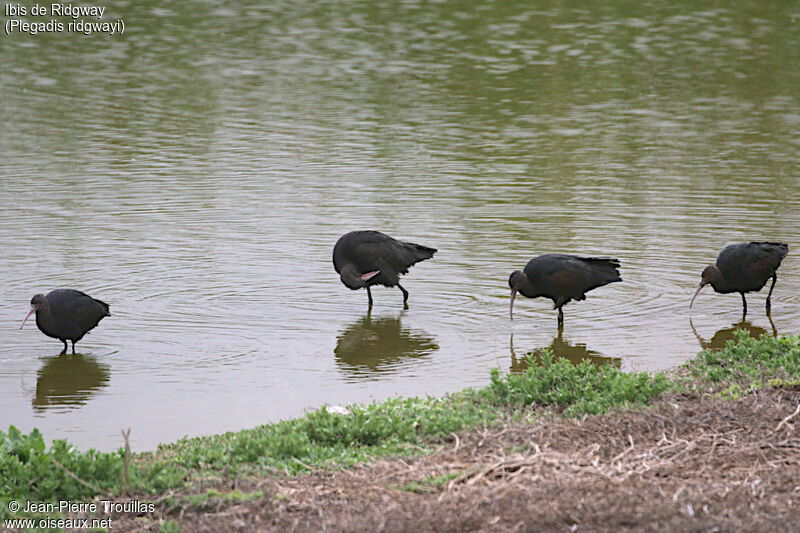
105 306
421 253
609 267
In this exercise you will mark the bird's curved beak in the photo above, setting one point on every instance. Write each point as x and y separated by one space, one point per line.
700 288
511 304
369 275
32 310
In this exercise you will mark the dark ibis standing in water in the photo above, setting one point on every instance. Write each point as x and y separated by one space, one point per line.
562 277
367 258
744 268
66 314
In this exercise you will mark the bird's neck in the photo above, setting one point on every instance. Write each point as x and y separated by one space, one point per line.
717 280
526 288
44 320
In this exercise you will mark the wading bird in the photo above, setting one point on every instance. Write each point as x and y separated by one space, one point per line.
562 277
367 258
744 268
66 314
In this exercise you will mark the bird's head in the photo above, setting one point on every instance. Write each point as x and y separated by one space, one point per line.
354 279
711 275
515 281
37 302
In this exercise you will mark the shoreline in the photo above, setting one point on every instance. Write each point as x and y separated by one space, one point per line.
257 469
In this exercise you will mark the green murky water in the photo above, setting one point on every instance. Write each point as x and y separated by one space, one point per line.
196 171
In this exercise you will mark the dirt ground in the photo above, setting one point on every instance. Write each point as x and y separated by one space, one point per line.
688 464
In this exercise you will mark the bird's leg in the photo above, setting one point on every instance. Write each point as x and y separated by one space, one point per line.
769 303
744 306
560 318
73 347
369 295
405 293
64 351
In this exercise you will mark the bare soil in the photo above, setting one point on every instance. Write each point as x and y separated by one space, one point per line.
688 463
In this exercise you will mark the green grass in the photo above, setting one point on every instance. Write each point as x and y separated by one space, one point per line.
211 497
169 527
579 389
321 438
749 363
398 426
429 484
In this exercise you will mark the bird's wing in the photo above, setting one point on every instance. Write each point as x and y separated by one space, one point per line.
573 276
77 306
389 255
768 257
357 248
752 263
66 302
734 258
90 314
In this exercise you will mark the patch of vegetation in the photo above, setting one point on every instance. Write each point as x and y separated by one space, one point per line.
748 363
31 472
519 448
322 438
785 384
732 392
428 484
404 425
398 426
169 526
212 497
579 389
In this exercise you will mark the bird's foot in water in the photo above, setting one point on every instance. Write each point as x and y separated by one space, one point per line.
405 295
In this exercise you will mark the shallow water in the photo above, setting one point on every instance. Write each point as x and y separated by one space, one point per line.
195 173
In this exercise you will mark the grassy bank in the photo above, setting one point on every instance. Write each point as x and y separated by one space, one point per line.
322 439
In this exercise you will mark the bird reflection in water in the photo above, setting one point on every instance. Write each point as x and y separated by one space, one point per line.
574 353
68 381
379 345
721 337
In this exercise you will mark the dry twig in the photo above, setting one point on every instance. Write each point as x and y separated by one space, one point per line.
785 420
126 481
79 480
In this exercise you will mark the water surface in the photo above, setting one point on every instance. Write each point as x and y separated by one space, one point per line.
195 173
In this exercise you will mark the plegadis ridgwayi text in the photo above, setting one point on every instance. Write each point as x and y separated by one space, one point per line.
66 314
744 268
367 258
562 277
